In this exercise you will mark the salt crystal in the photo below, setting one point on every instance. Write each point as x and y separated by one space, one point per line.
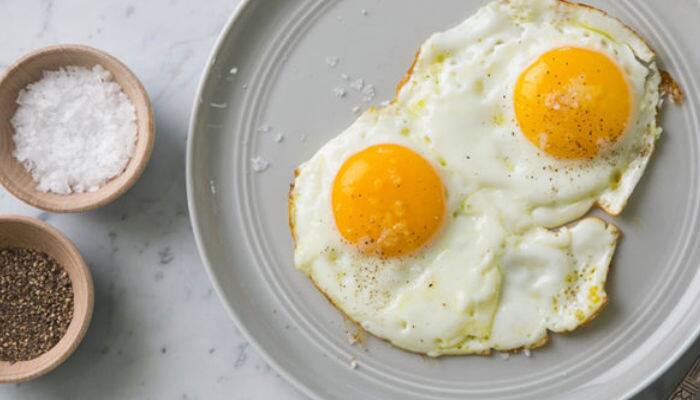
339 92
345 77
259 164
244 86
356 109
527 353
353 364
264 128
233 71
332 61
357 84
75 129
368 93
279 138
364 11
212 187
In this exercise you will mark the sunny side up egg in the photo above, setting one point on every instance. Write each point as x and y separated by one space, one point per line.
448 222
560 100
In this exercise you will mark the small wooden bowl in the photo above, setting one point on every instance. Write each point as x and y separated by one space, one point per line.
18 231
29 69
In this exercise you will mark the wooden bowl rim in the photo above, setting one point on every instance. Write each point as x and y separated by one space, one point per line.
56 357
148 134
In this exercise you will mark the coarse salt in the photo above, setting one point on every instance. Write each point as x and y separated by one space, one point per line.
357 84
368 93
332 61
339 92
74 129
259 164
264 128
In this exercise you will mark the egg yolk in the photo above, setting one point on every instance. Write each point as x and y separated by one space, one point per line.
388 200
572 103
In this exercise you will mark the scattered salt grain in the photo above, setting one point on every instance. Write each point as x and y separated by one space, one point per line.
264 128
527 353
356 110
368 93
353 364
212 187
259 164
244 86
218 105
339 92
233 71
345 77
364 11
279 138
332 61
75 129
357 84
504 356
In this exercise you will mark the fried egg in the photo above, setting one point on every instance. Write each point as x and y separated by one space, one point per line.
553 102
373 212
451 221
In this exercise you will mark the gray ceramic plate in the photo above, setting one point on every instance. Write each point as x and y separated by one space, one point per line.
285 85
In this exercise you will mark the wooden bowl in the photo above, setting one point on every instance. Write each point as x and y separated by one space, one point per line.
18 231
29 69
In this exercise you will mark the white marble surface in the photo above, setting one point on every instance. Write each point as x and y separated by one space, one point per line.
159 331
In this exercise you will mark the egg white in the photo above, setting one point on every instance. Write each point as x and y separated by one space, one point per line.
552 281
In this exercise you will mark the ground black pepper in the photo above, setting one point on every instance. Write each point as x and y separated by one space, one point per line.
36 303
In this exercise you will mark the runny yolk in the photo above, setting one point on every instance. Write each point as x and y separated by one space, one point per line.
388 200
572 103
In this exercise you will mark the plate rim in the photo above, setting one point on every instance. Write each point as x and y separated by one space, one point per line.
196 226
299 385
